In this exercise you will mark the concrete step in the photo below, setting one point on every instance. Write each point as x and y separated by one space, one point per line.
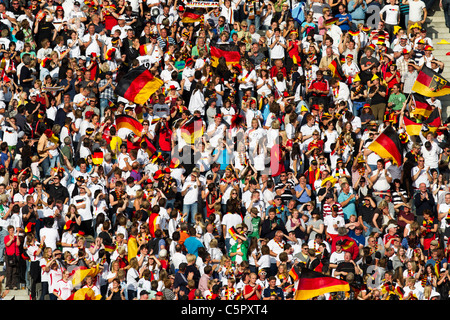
20 294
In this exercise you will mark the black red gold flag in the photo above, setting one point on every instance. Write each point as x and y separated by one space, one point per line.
228 51
422 107
431 84
388 145
125 121
312 284
138 85
336 70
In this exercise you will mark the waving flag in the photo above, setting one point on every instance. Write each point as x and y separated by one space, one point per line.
412 128
312 284
422 107
336 70
388 145
191 17
192 130
97 157
138 85
431 84
230 52
433 122
125 121
144 49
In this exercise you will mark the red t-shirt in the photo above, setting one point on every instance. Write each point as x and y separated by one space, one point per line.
248 288
12 249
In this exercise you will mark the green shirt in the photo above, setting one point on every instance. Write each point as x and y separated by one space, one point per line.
397 100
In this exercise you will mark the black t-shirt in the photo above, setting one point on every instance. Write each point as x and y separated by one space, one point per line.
366 213
346 267
377 98
277 291
25 74
107 240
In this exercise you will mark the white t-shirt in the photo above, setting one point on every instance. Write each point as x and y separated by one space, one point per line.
416 10
392 12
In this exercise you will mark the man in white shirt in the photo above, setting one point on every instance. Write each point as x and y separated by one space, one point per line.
420 174
277 45
82 202
190 192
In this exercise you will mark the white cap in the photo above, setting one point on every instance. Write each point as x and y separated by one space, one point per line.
121 17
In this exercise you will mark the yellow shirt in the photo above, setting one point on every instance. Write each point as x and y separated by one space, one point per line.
115 142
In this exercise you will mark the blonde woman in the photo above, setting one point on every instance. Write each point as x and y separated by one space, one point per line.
133 276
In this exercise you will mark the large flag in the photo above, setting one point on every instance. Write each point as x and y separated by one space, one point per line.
336 70
80 273
191 17
125 121
433 122
312 284
431 84
388 145
229 51
138 85
422 107
84 294
412 128
192 130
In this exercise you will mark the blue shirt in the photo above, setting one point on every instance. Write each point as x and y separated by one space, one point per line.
357 13
304 196
350 208
345 26
192 244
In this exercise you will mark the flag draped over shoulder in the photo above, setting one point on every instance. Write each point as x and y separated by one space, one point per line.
422 107
125 121
229 51
431 84
336 70
312 284
138 85
388 145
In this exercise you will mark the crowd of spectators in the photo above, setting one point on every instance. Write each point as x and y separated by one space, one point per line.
281 178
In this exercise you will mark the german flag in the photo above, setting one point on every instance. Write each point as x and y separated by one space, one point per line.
125 121
109 54
347 244
233 232
110 248
331 21
336 69
97 157
388 145
229 51
422 108
144 49
84 294
412 128
191 17
294 274
192 130
312 284
150 148
433 122
431 84
152 219
353 33
138 85
80 273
